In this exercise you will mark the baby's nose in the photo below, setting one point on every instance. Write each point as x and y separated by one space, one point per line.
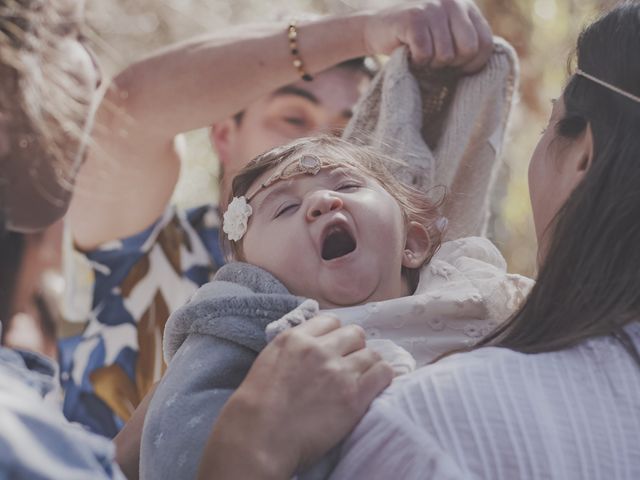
321 203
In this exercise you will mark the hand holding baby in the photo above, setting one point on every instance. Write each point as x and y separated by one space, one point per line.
347 377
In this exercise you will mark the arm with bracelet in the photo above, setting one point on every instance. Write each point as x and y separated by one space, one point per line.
192 84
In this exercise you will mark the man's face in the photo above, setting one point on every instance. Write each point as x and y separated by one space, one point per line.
302 109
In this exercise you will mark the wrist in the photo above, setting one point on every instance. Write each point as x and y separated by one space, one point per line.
330 40
244 443
361 22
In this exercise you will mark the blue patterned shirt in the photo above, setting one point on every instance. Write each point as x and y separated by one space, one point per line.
108 369
36 441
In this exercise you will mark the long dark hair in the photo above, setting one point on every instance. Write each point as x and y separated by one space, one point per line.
12 246
589 284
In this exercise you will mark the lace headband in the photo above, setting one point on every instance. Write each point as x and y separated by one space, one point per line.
608 85
236 218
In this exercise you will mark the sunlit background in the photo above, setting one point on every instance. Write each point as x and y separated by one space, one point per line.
542 31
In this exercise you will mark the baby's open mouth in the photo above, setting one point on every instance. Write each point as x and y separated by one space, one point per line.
338 242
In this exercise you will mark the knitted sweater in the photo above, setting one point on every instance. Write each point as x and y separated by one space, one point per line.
448 130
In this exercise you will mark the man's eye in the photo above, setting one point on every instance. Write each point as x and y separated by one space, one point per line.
347 187
296 121
285 209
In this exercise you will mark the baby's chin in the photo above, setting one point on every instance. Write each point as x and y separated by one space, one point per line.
349 299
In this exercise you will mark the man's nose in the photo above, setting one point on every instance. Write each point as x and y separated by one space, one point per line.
323 202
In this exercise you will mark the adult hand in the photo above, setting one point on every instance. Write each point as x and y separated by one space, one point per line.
439 33
304 393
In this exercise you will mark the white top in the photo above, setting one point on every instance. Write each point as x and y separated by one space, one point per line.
499 414
464 293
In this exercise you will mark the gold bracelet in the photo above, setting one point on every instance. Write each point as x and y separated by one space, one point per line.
292 33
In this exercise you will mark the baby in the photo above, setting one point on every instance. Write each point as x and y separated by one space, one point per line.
331 223
320 223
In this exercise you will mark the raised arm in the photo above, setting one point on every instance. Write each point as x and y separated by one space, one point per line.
132 169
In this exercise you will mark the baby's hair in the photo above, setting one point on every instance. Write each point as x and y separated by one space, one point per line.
416 205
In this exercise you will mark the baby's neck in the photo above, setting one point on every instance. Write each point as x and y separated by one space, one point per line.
403 290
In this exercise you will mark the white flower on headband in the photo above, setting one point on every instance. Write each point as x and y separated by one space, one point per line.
236 218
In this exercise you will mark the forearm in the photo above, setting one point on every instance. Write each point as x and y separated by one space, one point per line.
127 442
239 445
214 76
195 83
185 86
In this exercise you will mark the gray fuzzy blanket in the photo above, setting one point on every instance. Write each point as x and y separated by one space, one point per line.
210 344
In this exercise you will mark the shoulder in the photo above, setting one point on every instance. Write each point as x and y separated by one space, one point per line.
388 443
424 424
479 248
455 376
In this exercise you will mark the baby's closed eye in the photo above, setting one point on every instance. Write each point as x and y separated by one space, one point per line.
350 186
286 208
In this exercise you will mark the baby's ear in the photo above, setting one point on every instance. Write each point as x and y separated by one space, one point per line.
417 247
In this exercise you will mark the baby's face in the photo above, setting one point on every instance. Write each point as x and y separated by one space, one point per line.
337 236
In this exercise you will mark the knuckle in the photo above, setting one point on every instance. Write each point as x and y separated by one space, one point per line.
311 350
374 356
350 394
446 57
386 374
332 321
485 42
416 19
420 38
335 375
387 370
297 343
358 332
468 48
285 338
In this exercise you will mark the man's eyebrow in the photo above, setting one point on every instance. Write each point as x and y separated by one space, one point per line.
297 91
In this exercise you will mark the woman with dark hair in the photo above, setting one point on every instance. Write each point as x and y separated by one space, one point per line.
554 393
276 421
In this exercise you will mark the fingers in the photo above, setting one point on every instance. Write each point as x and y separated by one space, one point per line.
374 380
362 360
441 35
448 33
420 43
463 33
485 42
319 325
333 338
345 340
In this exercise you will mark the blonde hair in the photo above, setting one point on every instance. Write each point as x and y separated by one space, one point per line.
416 205
38 95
